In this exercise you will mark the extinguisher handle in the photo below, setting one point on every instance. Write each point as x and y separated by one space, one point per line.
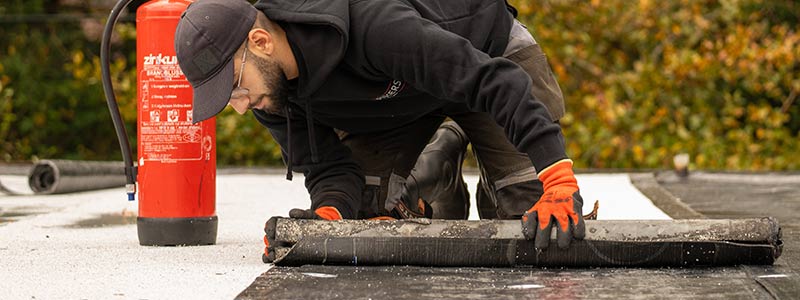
113 107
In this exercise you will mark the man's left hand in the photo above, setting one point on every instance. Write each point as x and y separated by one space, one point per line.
561 202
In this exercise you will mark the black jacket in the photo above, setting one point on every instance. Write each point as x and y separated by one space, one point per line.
369 65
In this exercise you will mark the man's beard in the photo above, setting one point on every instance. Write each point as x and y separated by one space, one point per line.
275 82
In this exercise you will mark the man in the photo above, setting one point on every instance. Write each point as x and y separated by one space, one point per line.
328 77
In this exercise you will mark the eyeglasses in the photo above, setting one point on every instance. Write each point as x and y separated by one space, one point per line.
239 93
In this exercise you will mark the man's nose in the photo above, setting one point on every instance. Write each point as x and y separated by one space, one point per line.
239 104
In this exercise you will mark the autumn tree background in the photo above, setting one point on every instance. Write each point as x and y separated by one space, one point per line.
643 80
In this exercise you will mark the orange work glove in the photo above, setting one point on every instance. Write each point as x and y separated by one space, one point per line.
561 202
269 228
329 213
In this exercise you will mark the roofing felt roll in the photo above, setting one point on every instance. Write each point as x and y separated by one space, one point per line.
66 176
495 243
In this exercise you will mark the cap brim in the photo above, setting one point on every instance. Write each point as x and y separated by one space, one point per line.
211 97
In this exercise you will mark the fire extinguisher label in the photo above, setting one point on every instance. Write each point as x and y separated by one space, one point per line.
166 131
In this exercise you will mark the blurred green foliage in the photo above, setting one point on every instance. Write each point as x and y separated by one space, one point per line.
241 140
51 95
52 98
643 80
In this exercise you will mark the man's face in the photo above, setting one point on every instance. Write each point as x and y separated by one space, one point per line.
263 85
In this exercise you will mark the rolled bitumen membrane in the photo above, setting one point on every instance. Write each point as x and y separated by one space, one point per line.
68 176
701 195
496 243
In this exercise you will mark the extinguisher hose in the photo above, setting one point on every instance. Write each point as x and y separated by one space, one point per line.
119 124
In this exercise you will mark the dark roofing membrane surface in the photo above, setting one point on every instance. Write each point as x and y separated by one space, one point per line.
711 195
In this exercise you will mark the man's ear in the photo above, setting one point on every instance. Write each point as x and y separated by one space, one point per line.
262 42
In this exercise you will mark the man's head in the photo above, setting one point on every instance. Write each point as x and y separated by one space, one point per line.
261 82
211 40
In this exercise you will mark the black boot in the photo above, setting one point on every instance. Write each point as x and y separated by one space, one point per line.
436 177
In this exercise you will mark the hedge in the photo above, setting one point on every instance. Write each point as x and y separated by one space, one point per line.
643 80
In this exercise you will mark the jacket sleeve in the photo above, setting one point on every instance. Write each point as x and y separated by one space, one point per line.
405 46
334 179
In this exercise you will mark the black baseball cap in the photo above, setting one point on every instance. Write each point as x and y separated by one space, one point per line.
208 35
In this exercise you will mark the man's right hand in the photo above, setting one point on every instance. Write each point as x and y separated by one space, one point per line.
329 213
322 213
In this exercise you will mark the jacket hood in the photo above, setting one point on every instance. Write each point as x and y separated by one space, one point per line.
306 17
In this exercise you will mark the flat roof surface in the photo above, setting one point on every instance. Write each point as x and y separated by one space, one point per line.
84 246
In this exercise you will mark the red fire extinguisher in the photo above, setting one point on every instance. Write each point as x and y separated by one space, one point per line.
176 159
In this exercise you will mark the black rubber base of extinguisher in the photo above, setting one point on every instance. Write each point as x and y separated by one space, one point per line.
177 231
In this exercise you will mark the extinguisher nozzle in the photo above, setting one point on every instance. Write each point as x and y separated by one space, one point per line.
131 190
